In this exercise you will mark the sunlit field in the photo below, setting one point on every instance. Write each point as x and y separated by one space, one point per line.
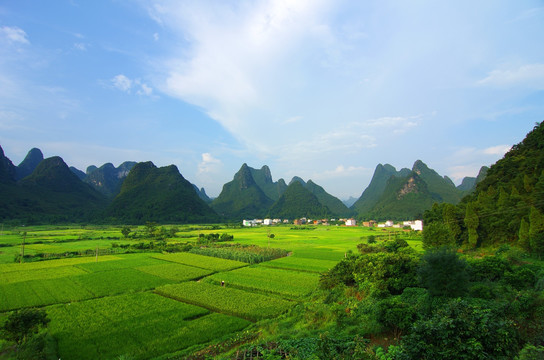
108 295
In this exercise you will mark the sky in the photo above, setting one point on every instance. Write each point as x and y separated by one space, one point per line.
321 89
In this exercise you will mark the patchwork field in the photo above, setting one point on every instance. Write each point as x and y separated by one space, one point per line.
148 304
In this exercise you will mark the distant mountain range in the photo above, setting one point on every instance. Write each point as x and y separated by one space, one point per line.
406 194
252 193
47 190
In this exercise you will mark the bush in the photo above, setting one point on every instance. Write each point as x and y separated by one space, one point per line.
443 273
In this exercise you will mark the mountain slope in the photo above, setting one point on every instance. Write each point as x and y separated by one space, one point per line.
263 178
297 202
7 169
442 188
336 207
108 179
54 192
404 198
507 205
468 184
158 194
372 194
242 197
202 194
30 162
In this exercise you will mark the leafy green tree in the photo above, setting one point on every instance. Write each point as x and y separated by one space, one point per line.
461 330
443 273
472 221
437 234
151 228
125 231
23 323
452 220
384 274
537 244
531 352
523 235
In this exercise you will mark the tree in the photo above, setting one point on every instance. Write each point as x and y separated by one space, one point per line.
461 330
537 243
443 273
151 228
22 323
125 231
472 221
437 234
452 220
523 235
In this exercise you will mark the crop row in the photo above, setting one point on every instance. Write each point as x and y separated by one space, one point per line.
201 261
175 272
290 284
226 300
301 264
75 288
5 268
141 325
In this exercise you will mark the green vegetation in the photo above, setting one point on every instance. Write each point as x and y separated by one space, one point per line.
140 325
250 254
144 197
290 284
506 206
227 300
200 261
301 264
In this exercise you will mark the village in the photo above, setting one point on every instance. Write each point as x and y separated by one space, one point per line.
416 225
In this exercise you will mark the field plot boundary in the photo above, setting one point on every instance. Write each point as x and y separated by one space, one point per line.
226 300
301 264
201 261
288 284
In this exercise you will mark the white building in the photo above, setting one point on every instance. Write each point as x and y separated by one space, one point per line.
249 223
417 225
351 222
267 222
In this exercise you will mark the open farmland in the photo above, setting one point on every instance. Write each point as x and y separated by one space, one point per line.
147 304
141 325
228 300
290 284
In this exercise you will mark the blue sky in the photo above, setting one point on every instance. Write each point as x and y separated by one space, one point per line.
321 89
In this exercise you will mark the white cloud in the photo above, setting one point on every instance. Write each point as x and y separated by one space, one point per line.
126 84
530 76
80 46
145 90
156 36
122 82
13 34
457 173
209 164
499 150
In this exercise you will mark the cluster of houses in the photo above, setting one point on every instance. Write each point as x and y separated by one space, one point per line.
416 225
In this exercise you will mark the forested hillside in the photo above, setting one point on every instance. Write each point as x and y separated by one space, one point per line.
507 206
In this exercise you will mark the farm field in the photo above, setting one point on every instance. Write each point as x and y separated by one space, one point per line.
237 302
137 301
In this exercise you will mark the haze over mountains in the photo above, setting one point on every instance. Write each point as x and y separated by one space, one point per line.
47 190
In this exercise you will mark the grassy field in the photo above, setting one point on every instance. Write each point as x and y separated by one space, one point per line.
141 325
148 304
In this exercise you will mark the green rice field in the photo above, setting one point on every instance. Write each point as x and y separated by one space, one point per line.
148 304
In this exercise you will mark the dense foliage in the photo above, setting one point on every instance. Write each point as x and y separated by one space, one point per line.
507 205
